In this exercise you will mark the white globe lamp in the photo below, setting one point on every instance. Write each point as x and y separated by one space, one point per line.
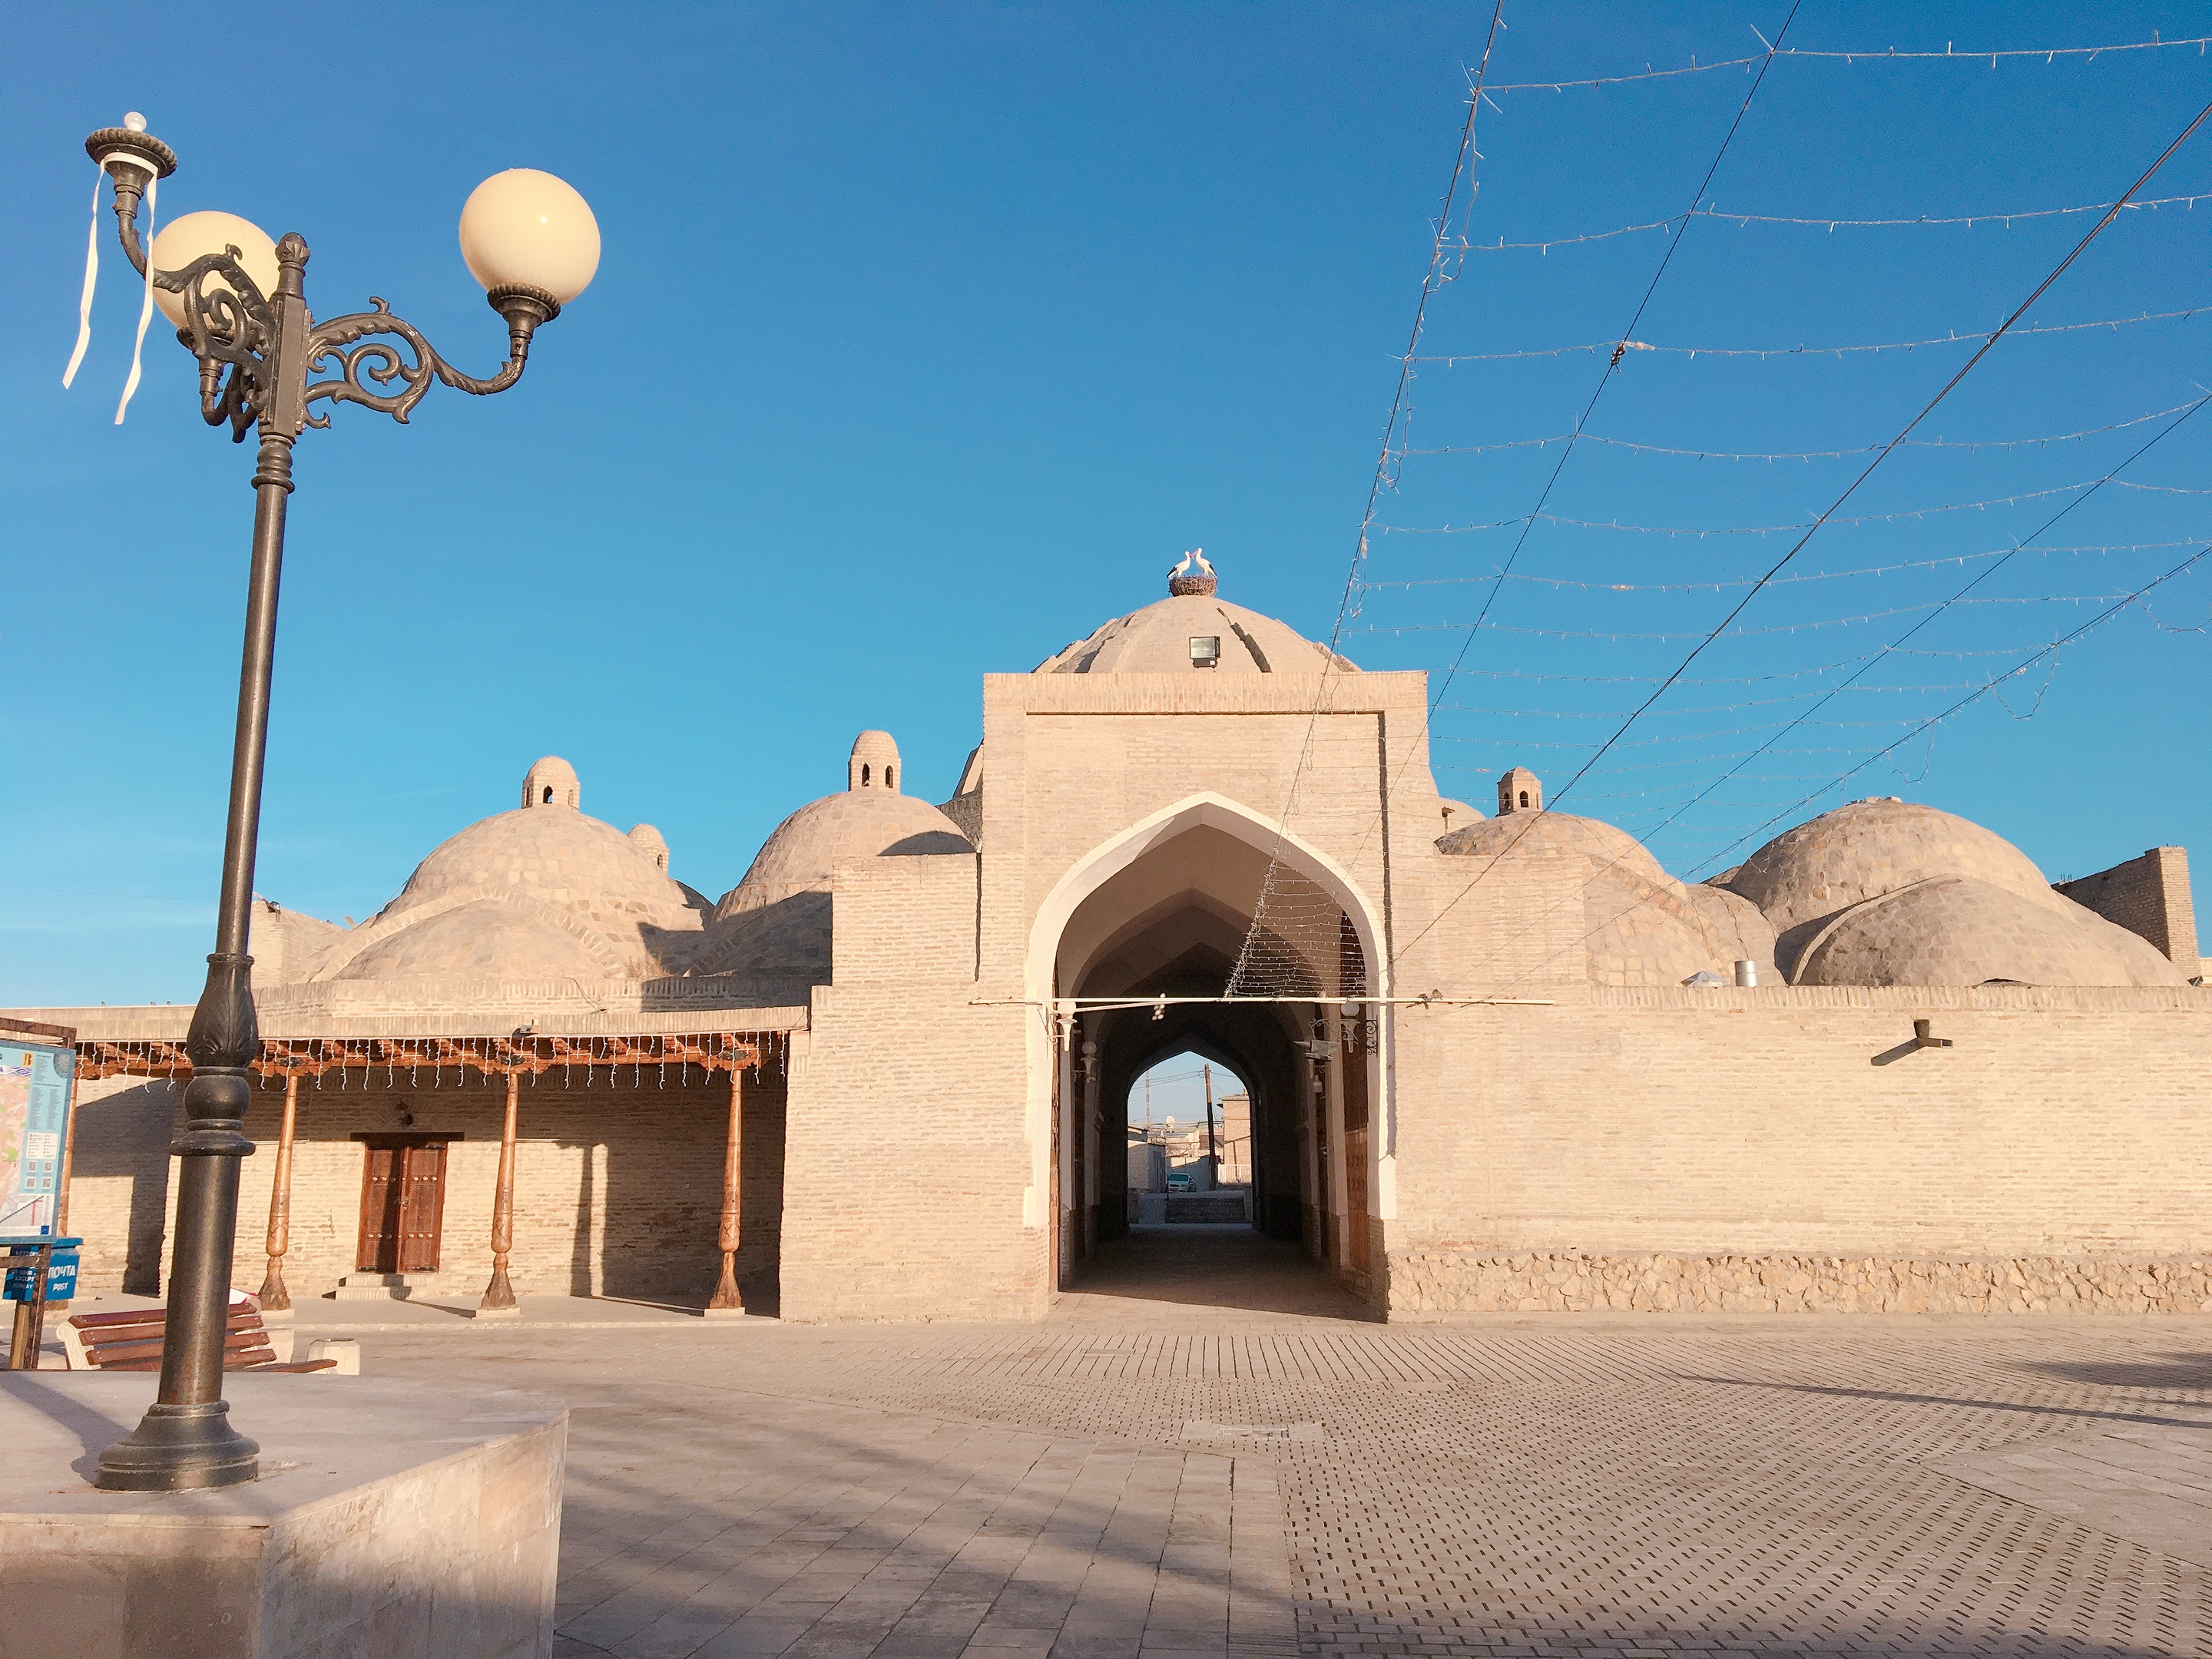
527 229
198 234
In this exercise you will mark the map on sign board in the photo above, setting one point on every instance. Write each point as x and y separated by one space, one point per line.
34 1096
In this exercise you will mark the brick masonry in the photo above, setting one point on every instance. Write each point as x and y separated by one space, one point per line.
2148 896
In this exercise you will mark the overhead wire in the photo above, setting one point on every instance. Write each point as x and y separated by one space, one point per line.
1986 689
1435 278
1737 609
1961 596
1953 338
1260 919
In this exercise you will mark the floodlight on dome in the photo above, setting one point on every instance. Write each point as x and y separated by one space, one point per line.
1206 651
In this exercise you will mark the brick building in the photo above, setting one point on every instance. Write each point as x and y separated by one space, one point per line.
1500 1061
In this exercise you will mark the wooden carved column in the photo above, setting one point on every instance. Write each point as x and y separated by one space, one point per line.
274 1296
499 1295
725 1299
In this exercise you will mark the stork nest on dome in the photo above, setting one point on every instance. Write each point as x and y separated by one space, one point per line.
1193 576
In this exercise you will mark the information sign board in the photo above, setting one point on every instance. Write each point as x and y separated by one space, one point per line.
34 1128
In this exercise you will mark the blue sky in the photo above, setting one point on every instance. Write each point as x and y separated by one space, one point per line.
925 337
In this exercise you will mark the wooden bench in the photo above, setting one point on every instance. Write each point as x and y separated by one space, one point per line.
132 1341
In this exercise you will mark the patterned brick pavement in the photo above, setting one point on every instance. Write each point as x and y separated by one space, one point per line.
1145 1478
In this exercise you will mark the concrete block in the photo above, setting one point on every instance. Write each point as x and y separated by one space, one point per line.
392 1519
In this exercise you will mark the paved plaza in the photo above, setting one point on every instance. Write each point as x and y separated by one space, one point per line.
1266 1473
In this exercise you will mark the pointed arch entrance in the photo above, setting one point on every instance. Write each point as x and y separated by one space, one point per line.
1132 952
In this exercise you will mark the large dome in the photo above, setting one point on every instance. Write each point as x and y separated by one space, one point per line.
542 889
1172 636
1870 848
1885 892
483 937
554 854
1957 931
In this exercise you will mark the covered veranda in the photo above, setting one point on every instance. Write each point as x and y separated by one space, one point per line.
645 1165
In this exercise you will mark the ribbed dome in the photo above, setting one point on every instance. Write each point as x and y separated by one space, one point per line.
1528 833
540 891
859 823
485 937
560 857
1157 641
1958 931
1870 848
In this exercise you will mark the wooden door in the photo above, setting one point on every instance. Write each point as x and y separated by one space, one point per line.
403 1206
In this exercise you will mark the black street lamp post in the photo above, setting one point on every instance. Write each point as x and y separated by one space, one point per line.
256 353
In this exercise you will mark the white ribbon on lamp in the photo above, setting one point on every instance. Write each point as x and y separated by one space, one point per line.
145 307
91 278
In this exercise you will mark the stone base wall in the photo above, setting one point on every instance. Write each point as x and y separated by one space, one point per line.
1427 1284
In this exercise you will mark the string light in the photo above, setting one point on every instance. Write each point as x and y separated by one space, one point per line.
2048 54
1501 245
1955 337
1802 454
1779 529
1944 561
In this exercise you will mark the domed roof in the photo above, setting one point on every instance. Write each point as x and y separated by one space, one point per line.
485 937
540 890
860 823
1956 930
1527 833
1156 639
869 819
1870 848
549 852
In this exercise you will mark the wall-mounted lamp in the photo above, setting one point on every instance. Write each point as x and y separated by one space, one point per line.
1206 651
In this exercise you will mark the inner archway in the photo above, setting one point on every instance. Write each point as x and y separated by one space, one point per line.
1140 968
1190 1152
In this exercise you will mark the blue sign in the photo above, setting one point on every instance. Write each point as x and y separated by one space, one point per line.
35 1126
61 1273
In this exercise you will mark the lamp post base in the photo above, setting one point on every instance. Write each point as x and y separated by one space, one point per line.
179 1448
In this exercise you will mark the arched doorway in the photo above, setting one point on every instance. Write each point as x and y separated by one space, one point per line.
1191 1158
1133 955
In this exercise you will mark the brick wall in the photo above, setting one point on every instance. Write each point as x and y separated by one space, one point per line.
906 1160
1742 1133
2148 896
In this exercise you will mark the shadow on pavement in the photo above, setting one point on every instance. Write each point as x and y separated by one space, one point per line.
1213 1264
2173 1371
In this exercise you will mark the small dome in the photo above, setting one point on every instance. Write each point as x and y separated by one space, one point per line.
1193 631
874 764
552 782
860 823
1871 848
650 842
487 937
1954 930
1527 833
